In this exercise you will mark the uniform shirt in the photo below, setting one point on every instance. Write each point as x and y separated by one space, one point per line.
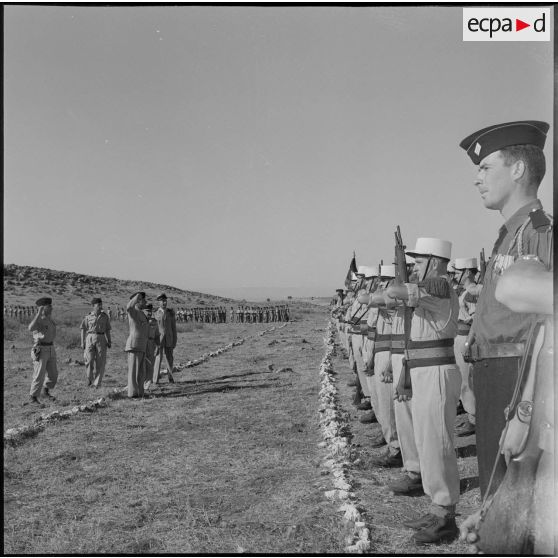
493 322
167 326
466 309
45 331
138 323
433 317
94 323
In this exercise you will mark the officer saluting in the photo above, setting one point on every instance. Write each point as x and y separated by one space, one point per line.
511 166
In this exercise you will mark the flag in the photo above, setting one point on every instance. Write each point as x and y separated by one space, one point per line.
352 269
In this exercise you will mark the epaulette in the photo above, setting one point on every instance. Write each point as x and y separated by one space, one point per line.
436 286
540 221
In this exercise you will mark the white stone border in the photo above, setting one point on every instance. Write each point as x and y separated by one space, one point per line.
15 435
334 425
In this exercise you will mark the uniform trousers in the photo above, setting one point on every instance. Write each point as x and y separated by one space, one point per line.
149 363
385 412
368 358
493 383
95 356
168 353
466 369
136 373
44 366
435 395
404 422
357 352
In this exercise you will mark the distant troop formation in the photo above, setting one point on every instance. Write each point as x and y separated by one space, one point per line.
426 336
218 314
16 311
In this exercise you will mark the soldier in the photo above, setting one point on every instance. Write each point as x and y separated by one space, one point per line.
355 340
95 340
109 313
466 268
436 383
382 380
167 330
43 329
153 341
511 166
136 344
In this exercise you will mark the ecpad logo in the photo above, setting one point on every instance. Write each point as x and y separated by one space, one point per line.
506 24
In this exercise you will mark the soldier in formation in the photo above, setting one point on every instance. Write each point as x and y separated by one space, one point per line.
460 335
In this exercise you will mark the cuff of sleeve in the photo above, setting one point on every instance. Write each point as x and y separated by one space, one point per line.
412 293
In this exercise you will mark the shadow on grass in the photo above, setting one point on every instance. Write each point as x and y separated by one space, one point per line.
220 388
468 483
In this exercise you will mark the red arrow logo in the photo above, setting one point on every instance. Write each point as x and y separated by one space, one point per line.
519 25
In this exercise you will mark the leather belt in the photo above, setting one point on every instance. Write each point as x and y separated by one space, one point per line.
95 333
371 334
43 344
397 343
463 328
383 342
500 350
435 352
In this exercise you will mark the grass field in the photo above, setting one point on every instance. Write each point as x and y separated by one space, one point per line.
224 461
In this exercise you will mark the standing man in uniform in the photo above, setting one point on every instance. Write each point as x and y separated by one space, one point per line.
167 331
511 166
153 341
466 270
95 339
136 344
44 357
436 384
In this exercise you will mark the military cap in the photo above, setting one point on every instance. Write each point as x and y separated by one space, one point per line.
490 139
369 271
451 267
338 290
387 270
466 263
431 247
96 301
162 296
149 307
44 301
138 293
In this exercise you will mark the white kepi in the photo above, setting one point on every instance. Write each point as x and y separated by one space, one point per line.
368 271
387 270
466 263
431 247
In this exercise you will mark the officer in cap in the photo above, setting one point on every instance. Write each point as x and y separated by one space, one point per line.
43 354
511 166
95 339
436 383
465 271
167 330
136 344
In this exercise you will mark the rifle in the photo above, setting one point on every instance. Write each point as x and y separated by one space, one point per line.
354 319
482 267
404 386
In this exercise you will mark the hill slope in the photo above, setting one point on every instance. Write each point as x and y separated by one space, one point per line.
24 284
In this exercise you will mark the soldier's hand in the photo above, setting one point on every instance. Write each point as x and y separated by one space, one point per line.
468 530
386 377
468 344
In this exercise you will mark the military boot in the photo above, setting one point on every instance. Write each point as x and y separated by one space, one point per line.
440 529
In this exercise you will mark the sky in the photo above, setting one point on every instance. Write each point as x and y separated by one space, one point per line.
237 150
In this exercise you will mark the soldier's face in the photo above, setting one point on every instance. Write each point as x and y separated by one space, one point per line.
97 307
47 309
163 303
494 181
